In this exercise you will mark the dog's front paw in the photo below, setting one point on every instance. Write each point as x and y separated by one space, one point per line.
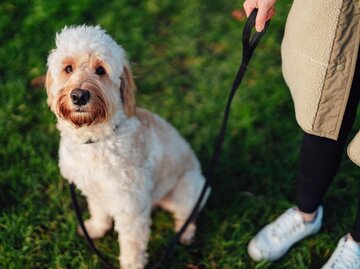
133 258
95 229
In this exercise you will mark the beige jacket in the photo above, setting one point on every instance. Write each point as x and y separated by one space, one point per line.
319 53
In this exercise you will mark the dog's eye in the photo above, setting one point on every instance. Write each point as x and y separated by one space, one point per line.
100 71
69 69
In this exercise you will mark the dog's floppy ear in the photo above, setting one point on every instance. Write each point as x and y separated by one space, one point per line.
48 84
127 91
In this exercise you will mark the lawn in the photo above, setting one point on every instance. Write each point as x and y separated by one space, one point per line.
184 55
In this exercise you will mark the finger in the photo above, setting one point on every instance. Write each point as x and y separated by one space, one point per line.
248 8
271 14
261 18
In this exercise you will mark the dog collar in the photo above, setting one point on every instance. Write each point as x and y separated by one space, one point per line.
91 141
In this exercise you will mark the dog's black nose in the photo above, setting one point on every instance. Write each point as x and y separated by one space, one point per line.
80 97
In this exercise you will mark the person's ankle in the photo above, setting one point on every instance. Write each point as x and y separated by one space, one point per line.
307 217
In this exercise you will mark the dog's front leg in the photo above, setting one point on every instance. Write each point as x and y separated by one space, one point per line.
133 227
99 223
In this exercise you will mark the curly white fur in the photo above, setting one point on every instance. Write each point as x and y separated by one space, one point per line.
123 159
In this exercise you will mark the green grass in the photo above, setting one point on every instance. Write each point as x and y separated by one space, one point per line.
184 55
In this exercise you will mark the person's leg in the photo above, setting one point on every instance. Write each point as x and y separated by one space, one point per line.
348 249
320 157
355 231
319 162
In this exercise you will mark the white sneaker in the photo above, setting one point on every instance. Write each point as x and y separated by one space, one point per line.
345 256
275 239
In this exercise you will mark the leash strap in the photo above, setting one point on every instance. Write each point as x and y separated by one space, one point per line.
249 45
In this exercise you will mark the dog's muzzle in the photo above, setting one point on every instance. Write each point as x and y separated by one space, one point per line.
80 97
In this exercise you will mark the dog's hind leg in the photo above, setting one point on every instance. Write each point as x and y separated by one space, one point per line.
182 199
99 222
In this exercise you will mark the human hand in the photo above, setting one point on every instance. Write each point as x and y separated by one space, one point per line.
265 13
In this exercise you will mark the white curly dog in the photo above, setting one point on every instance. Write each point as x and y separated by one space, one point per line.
124 159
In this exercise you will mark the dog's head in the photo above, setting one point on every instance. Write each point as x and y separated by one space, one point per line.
88 77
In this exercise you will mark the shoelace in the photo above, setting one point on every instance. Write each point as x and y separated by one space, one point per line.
345 258
286 225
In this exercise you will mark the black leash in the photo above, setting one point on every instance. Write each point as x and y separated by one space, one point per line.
249 45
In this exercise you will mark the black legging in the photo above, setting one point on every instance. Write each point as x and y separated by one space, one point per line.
320 158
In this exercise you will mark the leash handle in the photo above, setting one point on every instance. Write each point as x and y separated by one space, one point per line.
249 44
